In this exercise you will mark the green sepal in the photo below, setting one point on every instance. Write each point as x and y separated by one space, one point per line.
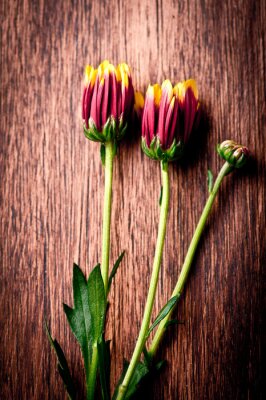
107 134
114 270
122 128
160 154
156 152
235 154
62 365
210 180
145 149
104 367
108 130
92 133
163 313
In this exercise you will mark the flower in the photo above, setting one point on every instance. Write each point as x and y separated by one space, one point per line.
235 154
169 115
108 101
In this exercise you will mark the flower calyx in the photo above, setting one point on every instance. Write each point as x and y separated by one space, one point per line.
235 154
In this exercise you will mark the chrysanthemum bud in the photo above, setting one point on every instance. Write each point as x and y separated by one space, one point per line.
108 101
168 119
235 154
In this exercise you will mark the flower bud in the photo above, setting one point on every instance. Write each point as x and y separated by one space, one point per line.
235 154
108 101
168 118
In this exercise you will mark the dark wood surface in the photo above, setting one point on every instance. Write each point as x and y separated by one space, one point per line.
52 188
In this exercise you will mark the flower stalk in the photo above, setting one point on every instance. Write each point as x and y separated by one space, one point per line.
225 170
91 379
153 284
109 156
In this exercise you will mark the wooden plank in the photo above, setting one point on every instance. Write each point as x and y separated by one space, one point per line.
52 187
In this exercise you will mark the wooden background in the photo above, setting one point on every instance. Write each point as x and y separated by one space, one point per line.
52 187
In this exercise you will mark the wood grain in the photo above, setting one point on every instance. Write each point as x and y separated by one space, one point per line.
52 187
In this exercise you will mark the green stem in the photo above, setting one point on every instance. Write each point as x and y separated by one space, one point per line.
91 381
190 255
109 156
153 285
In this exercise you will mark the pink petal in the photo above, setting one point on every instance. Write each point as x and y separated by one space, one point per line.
171 123
93 112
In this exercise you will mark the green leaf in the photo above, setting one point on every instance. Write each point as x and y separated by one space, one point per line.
173 322
104 366
210 180
163 313
62 365
140 373
79 318
161 196
114 270
97 303
102 153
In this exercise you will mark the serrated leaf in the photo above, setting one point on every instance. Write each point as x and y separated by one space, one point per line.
79 317
140 373
62 365
210 180
104 367
163 313
97 303
114 270
161 196
102 154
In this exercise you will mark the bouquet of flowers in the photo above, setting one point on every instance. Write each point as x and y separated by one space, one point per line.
168 114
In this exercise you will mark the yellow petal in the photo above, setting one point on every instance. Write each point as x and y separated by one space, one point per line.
90 75
123 74
191 83
139 100
155 93
181 88
172 104
125 68
110 69
102 67
167 85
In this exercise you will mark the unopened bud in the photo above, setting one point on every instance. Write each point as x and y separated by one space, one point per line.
235 154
